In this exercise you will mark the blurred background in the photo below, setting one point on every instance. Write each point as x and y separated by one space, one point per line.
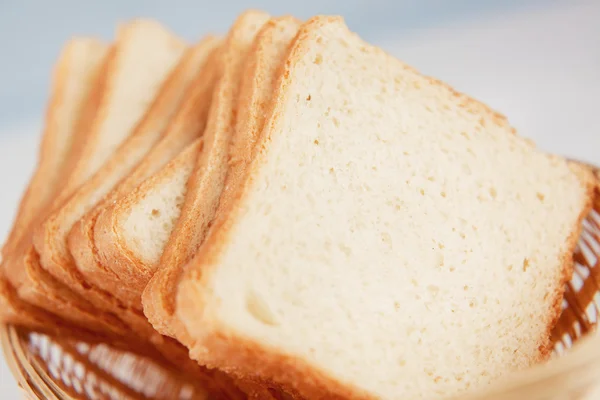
536 61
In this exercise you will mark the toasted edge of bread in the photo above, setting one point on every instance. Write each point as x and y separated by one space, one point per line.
259 80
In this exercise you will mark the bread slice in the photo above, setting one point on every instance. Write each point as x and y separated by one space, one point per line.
15 311
258 84
117 231
78 67
187 125
21 266
133 149
146 217
41 287
392 238
143 56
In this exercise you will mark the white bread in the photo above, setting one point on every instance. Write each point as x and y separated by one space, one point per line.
42 286
143 56
130 232
137 334
114 240
22 269
146 217
75 73
147 132
392 238
264 64
187 125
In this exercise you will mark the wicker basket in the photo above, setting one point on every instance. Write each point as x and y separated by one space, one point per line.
63 368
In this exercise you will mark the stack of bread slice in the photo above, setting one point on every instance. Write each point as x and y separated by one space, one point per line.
290 211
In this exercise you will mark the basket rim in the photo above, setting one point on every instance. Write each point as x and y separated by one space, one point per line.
25 368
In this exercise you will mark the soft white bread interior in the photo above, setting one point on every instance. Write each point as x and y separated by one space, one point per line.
392 238
259 80
147 216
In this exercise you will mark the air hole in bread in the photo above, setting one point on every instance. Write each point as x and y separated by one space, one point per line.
155 213
525 264
258 308
440 259
345 249
540 197
318 59
267 209
433 289
386 238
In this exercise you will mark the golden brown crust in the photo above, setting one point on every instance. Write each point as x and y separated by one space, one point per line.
18 313
591 184
208 178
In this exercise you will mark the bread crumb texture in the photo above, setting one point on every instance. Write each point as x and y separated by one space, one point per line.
396 236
